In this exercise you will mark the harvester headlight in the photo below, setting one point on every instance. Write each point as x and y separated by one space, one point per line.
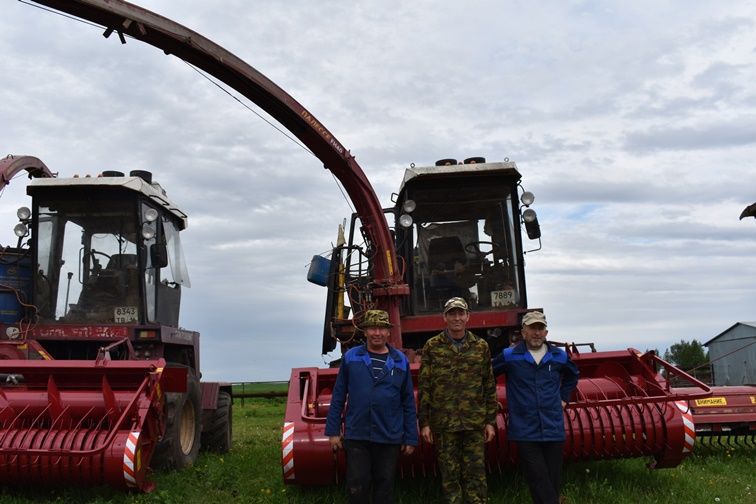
23 213
150 215
148 231
20 230
529 215
409 206
405 220
527 198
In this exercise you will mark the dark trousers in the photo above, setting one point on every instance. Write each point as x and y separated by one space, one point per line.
371 468
542 465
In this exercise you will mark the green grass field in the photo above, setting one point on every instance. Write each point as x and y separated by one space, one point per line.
251 473
260 387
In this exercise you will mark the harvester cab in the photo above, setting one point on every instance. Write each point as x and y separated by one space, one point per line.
107 251
457 230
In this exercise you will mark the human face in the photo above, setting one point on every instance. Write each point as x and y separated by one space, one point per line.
534 335
376 338
456 320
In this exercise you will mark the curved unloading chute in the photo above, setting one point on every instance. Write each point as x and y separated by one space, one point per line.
12 165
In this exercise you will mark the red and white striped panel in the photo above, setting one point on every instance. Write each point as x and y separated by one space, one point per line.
287 450
690 427
129 459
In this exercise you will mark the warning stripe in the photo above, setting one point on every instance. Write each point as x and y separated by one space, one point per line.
287 450
688 425
129 455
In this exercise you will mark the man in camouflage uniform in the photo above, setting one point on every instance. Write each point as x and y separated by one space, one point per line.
457 395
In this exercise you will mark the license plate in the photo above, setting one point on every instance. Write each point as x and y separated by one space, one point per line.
501 298
125 314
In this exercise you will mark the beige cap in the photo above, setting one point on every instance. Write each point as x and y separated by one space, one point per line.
455 302
534 317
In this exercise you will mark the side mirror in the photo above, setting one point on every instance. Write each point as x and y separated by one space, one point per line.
159 255
531 224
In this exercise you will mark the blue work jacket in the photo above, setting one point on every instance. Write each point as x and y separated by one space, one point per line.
381 411
535 392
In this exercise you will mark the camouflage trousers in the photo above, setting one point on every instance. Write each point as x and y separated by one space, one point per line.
461 462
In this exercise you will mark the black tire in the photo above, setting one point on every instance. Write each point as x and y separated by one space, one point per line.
183 427
217 436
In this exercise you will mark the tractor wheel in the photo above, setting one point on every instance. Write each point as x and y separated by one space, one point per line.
183 426
217 436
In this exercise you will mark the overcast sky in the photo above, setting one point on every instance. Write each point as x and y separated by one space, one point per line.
634 123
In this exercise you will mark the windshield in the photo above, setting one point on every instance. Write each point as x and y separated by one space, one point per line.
466 250
87 262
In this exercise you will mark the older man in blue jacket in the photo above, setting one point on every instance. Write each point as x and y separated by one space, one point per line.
381 420
540 380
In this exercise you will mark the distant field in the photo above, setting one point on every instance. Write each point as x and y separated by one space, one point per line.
252 474
260 387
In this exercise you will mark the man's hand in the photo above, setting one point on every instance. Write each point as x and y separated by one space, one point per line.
335 442
564 404
490 433
426 434
407 449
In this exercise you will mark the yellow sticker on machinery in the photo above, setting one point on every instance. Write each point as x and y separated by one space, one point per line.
712 401
753 400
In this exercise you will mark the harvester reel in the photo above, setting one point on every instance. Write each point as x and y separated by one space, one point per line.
183 426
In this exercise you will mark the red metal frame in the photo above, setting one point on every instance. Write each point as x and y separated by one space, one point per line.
728 410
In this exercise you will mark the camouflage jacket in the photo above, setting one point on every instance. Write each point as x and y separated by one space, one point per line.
456 388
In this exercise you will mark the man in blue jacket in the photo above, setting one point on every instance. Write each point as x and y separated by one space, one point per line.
381 420
540 380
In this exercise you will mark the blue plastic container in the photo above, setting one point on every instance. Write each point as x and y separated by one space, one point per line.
319 269
15 273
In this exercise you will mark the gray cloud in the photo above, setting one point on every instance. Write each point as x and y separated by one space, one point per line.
632 123
738 132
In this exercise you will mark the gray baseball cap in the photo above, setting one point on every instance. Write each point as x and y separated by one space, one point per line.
534 317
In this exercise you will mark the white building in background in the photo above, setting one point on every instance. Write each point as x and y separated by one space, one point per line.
732 354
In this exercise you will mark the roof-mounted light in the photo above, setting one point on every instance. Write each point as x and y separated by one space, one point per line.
409 206
23 213
405 220
150 215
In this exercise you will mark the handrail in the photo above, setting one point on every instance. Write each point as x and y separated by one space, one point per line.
669 396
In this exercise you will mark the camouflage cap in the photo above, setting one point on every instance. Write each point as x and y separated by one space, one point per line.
376 318
455 302
534 317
